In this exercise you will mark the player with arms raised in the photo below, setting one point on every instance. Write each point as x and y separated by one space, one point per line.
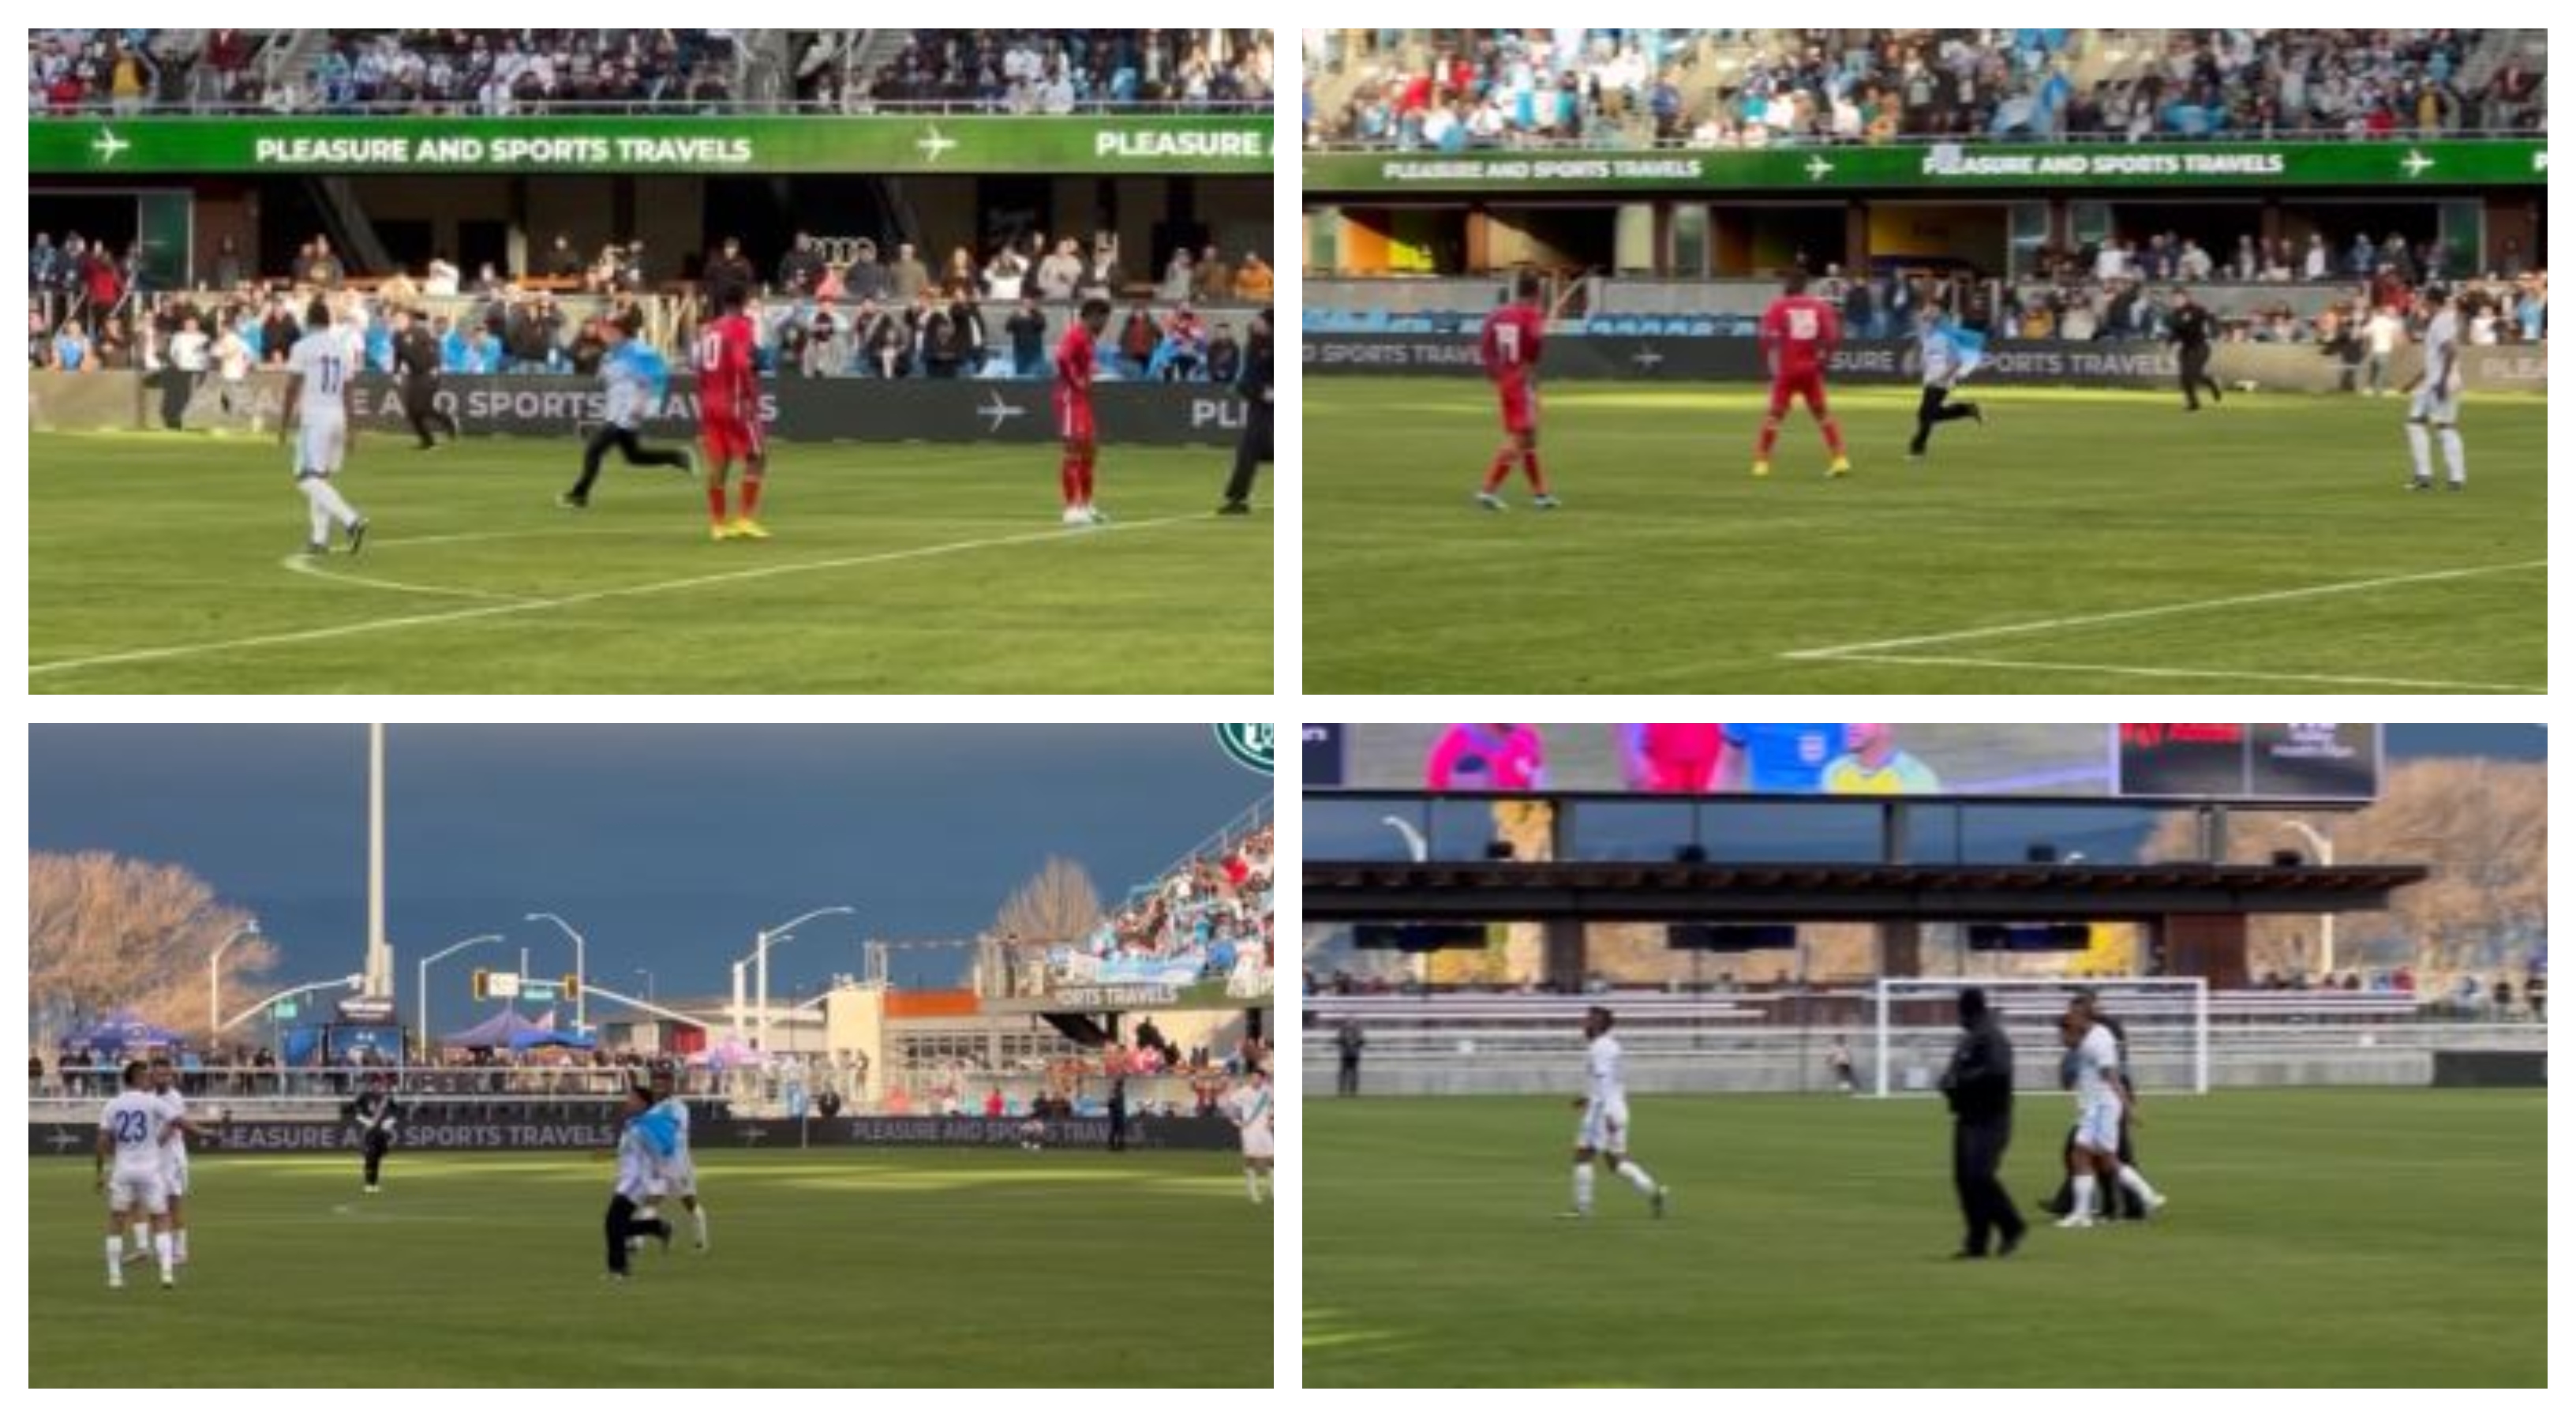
729 416
320 380
1603 1137
2436 408
1799 336
1077 360
1509 347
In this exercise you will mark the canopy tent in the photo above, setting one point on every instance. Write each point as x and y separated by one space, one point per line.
731 1053
121 1033
541 1032
493 1032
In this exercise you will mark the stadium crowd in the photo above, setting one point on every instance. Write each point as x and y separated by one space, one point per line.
855 315
1469 89
490 72
1048 71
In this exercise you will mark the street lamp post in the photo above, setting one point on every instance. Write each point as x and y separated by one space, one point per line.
778 934
215 979
2324 847
349 981
421 1011
580 969
648 985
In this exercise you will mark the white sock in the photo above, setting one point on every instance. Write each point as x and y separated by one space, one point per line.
1636 1176
2084 1196
328 499
2420 439
320 515
142 1238
2456 453
1252 1184
116 1259
698 1217
161 1251
179 1244
1583 1188
2136 1184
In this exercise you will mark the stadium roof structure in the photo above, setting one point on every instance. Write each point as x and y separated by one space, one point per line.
1586 891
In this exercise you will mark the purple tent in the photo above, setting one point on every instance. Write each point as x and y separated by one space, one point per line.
493 1032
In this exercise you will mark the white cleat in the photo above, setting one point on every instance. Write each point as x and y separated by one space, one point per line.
1073 517
1490 502
2076 1222
1574 1215
2156 1205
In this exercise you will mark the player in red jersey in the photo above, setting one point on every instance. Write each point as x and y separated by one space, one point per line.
1076 357
729 415
1799 336
1510 347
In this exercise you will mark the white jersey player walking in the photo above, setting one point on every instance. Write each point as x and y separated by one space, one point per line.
2436 409
174 1164
321 379
130 1131
1249 1108
2102 1101
1603 1136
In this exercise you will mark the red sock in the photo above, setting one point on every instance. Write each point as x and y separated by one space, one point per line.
1834 437
1069 475
1770 438
716 502
1538 479
1090 477
750 496
1501 470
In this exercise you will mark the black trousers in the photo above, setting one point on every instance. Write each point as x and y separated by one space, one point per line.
1118 1130
623 1226
1935 410
1350 1079
1976 1155
1252 450
420 406
2195 377
377 1144
609 435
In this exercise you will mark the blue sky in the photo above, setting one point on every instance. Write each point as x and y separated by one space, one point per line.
668 846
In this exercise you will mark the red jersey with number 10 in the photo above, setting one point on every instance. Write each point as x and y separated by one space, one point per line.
1800 334
728 388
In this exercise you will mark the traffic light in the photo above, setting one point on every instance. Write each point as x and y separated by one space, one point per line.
482 985
572 986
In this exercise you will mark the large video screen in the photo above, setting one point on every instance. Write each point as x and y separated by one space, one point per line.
2306 762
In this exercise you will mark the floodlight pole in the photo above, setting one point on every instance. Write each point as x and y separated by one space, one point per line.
2324 847
215 979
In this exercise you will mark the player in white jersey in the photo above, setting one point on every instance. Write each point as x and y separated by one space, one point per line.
2102 1099
1603 1137
637 1162
174 1165
130 1130
2436 409
321 380
1249 1108
676 1174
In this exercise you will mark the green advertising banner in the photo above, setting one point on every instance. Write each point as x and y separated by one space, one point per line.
1945 167
1228 143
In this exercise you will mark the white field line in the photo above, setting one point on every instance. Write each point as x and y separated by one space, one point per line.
523 607
2255 676
310 566
2157 612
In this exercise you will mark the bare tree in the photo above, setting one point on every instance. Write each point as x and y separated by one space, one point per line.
1055 905
106 933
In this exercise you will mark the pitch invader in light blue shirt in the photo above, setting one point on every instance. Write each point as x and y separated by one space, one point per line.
1951 352
636 379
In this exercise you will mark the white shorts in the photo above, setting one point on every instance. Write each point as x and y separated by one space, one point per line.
1259 1144
1604 1129
2438 407
174 1178
677 1179
319 447
146 1191
2097 1126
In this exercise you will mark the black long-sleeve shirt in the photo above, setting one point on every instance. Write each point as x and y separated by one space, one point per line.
1255 381
1979 1083
2192 329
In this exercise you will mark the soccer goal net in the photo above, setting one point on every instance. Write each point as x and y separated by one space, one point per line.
2164 1023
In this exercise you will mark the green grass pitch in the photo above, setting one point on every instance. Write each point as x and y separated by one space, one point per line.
161 564
829 1269
2081 543
2315 1238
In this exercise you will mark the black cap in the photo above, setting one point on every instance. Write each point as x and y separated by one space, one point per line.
1972 1005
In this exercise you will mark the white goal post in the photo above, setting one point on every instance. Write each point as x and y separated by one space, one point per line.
1915 1025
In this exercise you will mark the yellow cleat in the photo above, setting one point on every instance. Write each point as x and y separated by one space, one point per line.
720 532
1762 469
748 530
1841 468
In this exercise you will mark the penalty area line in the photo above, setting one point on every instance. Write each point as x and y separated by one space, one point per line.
2131 671
2158 612
588 597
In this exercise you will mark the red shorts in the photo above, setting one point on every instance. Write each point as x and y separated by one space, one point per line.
1520 409
728 439
1789 388
1073 420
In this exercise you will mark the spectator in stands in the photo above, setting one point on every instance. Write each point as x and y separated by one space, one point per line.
1224 355
442 278
905 274
1214 278
1005 273
1061 271
800 271
1177 275
1027 329
35 1073
728 269
1138 338
71 352
1100 275
1349 1041
320 267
